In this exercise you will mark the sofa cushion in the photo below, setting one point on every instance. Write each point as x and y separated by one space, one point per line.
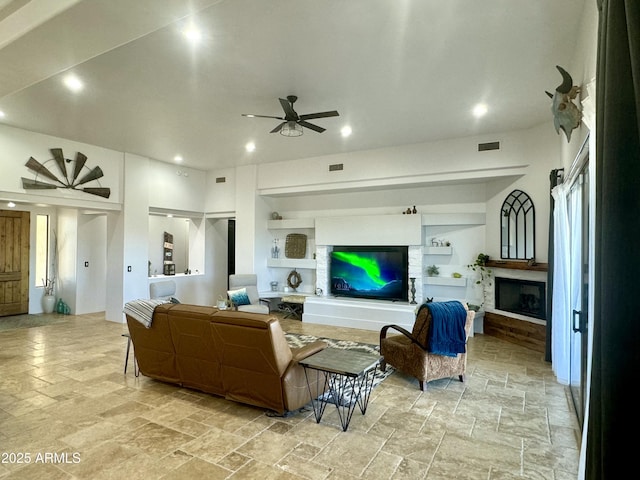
239 297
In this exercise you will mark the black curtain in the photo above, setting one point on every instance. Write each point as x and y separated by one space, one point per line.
554 179
231 248
613 408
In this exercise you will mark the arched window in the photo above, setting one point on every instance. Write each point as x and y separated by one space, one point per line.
518 226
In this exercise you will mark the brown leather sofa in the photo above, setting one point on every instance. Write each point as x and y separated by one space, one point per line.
241 356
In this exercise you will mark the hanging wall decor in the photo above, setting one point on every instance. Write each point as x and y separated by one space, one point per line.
295 245
566 115
69 174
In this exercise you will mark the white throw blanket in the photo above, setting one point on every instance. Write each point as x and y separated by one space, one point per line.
142 310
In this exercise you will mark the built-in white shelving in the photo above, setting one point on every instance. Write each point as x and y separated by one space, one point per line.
290 223
438 250
454 219
291 263
446 281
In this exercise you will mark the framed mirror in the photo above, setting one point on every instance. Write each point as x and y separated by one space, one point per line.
517 227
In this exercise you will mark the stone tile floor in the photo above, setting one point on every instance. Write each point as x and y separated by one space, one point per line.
67 411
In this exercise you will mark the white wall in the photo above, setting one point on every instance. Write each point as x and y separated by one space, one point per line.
245 203
173 187
91 263
451 161
220 198
67 233
130 277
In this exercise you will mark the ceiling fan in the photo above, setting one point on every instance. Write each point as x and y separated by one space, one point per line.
292 123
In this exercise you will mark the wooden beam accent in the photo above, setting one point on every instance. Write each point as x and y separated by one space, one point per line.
516 265
526 334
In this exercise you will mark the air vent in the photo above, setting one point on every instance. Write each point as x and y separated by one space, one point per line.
221 179
483 147
336 166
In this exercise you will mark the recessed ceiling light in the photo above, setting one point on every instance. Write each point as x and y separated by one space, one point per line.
73 83
250 147
192 34
177 158
2 115
346 131
479 110
11 205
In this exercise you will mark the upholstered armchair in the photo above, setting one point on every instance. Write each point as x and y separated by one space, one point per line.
164 290
243 294
408 351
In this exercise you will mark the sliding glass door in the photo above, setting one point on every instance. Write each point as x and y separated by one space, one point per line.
579 281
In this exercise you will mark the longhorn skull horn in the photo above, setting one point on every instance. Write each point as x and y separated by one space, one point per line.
567 81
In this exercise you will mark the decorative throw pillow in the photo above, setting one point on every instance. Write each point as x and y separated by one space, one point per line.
239 297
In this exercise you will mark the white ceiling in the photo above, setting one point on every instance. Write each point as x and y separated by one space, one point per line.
397 71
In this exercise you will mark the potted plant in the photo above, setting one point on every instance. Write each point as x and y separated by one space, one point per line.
48 299
483 275
48 284
433 271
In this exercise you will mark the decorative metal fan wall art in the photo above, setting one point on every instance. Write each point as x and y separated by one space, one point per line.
70 179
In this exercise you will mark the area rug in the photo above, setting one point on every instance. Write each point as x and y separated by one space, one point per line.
29 321
297 340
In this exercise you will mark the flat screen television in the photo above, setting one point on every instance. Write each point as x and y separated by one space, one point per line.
370 272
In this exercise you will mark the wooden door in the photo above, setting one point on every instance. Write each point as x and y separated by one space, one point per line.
14 262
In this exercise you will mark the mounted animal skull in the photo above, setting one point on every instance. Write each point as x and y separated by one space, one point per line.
566 115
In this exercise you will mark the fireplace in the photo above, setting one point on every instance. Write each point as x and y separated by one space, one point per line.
524 297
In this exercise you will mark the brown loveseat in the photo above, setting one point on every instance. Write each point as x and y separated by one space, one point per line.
241 356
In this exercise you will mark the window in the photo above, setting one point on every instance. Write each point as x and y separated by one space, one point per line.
42 250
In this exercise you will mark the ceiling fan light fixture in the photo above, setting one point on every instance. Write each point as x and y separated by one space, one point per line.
291 129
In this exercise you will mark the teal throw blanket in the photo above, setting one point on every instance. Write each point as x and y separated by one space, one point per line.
446 335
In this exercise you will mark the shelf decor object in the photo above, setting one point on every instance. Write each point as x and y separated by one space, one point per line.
295 245
413 290
294 280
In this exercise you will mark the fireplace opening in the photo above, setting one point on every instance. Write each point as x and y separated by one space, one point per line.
524 297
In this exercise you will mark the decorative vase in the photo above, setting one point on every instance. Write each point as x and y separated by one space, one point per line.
413 290
48 303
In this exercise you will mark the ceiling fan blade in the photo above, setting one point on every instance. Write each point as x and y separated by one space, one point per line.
309 116
261 116
311 126
278 128
289 112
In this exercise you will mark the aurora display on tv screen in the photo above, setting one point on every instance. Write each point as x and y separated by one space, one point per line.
370 272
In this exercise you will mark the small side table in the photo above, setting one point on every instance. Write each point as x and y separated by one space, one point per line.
136 370
343 369
292 305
